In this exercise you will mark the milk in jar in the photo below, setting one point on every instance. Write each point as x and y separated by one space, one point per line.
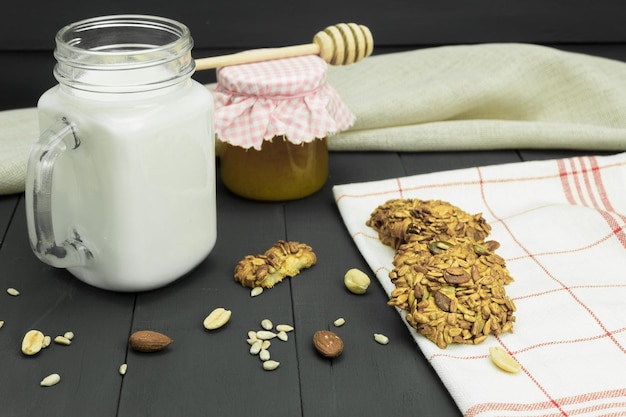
132 186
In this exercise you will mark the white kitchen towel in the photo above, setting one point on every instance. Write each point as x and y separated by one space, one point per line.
487 96
562 228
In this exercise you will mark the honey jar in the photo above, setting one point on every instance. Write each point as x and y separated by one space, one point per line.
272 121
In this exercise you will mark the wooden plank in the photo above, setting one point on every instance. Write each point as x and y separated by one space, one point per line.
367 379
54 302
397 375
425 162
8 204
29 73
543 154
245 23
213 373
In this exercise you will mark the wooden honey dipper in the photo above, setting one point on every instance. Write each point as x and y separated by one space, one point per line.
340 44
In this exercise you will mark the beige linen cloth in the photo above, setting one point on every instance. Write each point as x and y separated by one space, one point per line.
485 96
562 229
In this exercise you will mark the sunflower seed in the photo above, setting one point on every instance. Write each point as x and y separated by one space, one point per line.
256 347
270 365
381 338
50 380
339 322
265 335
62 340
264 354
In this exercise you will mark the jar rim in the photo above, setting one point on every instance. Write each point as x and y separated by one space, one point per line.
64 39
124 47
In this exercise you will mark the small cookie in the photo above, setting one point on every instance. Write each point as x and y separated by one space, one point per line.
283 259
401 220
456 295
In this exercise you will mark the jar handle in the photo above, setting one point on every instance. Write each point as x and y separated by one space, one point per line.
58 138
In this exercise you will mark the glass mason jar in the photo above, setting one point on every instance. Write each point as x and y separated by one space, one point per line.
121 184
273 120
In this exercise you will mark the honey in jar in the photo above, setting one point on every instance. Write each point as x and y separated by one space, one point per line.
273 120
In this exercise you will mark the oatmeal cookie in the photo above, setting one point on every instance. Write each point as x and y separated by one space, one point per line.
400 220
283 259
455 295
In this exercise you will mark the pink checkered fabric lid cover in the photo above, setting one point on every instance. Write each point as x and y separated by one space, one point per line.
290 96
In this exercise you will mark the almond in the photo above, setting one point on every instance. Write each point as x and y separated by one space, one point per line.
149 341
328 343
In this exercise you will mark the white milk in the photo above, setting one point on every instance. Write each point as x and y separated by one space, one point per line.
139 190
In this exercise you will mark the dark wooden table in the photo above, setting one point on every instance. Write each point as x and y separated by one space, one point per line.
212 373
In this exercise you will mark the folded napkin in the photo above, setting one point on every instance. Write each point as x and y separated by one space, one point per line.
488 96
18 131
562 229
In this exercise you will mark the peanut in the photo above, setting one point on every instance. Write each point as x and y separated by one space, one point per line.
32 342
503 360
218 318
356 281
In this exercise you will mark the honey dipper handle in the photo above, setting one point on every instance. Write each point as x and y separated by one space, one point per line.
256 56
